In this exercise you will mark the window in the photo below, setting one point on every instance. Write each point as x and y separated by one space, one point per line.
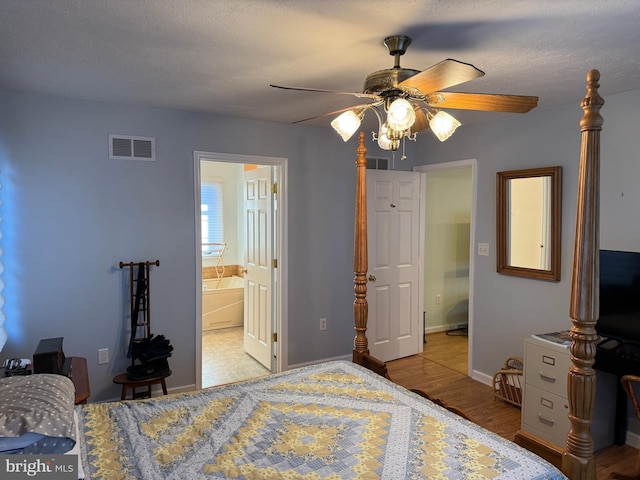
211 217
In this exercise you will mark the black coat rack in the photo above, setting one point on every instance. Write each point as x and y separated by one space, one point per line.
139 301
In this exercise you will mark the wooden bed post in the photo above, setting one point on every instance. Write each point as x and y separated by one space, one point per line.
360 253
578 460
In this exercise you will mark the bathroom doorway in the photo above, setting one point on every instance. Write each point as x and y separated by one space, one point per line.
223 268
449 263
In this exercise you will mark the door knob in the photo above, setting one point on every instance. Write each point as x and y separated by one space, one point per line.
372 278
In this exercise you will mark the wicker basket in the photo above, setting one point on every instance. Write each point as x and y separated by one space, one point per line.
507 382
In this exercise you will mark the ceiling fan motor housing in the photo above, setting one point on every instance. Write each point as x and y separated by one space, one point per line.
383 80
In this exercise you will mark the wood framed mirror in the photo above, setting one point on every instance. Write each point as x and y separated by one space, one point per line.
529 222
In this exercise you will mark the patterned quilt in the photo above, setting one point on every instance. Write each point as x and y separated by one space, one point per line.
335 420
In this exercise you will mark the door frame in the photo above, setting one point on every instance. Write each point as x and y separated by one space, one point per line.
281 272
472 238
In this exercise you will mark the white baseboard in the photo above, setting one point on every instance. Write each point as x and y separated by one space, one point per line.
482 378
181 389
633 439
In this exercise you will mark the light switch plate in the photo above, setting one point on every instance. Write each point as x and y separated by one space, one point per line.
483 249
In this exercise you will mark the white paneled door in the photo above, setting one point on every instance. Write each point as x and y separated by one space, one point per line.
395 205
258 203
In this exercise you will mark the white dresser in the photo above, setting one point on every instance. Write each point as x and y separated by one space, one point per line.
545 405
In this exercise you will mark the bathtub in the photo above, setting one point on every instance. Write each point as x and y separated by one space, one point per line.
222 303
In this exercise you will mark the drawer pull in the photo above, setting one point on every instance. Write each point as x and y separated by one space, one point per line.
545 420
546 403
547 378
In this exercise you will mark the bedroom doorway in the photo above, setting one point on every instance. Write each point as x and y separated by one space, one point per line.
221 305
449 263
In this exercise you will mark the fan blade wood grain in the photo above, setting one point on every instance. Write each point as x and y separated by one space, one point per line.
486 101
421 122
320 90
445 74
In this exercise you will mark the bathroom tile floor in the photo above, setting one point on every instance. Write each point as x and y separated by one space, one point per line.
224 359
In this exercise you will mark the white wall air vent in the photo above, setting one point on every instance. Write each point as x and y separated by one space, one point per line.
127 147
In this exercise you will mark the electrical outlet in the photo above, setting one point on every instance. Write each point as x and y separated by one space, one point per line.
483 249
103 356
323 324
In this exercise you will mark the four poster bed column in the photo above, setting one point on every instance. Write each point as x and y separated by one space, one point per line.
360 253
578 461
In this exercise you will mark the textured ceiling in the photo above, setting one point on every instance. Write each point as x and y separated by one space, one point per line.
220 56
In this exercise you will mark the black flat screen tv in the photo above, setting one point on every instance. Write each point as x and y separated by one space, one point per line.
619 295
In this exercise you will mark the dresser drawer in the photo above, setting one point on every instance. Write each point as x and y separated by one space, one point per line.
546 368
546 413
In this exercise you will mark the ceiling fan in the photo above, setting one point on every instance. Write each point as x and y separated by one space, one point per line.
412 100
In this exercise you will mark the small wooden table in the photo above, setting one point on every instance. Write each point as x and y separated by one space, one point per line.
127 384
80 377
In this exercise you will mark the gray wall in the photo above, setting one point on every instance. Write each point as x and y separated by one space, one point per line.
70 215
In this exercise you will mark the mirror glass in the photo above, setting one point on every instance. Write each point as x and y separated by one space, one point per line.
528 221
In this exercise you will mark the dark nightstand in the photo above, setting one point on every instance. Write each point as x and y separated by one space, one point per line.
80 377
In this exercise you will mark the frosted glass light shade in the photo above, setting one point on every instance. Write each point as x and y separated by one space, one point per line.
346 124
400 115
443 125
384 142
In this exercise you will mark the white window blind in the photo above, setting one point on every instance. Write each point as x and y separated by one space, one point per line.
212 219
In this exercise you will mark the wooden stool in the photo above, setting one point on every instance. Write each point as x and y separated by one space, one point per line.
127 384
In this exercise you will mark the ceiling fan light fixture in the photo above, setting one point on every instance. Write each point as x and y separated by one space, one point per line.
410 99
384 140
385 143
347 123
442 124
400 114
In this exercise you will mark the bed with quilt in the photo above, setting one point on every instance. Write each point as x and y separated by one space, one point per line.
332 420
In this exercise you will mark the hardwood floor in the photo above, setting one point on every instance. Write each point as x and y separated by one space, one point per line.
449 349
477 400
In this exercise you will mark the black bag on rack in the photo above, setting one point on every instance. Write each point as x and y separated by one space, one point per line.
152 348
152 353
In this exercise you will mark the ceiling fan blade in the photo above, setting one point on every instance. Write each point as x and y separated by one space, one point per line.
486 101
363 106
421 122
319 90
445 74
